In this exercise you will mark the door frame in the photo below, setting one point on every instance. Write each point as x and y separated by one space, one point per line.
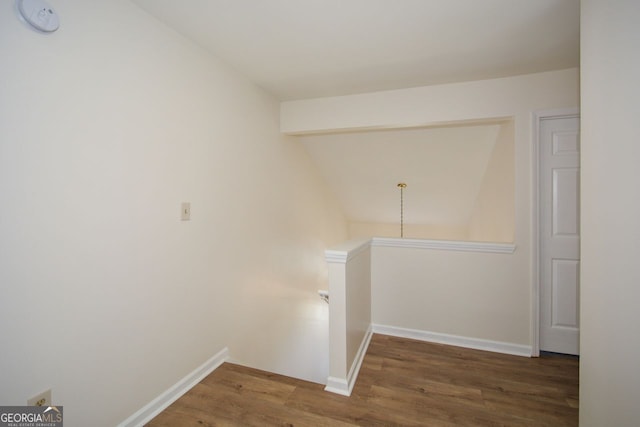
536 118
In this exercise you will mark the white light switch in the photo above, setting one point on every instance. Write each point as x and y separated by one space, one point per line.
185 212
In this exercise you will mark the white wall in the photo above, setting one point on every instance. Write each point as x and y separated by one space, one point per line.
445 169
359 230
358 303
349 311
442 166
610 249
492 219
106 297
465 294
494 303
476 100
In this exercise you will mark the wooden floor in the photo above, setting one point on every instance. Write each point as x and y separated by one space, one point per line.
401 382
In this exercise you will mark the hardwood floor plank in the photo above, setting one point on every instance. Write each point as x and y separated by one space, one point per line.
251 386
532 409
402 382
351 410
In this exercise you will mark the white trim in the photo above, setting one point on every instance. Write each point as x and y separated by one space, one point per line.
447 245
338 386
456 340
556 113
357 361
160 403
350 250
346 251
536 119
345 386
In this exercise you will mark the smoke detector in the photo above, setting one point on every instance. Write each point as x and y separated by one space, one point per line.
39 15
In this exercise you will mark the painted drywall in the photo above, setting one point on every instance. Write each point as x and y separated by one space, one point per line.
610 230
492 218
359 230
428 105
443 168
106 126
350 310
466 294
358 302
494 302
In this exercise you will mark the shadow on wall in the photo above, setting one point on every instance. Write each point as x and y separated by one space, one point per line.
460 180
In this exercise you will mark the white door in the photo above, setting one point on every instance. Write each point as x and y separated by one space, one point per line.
559 187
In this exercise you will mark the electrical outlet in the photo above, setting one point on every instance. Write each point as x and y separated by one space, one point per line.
42 399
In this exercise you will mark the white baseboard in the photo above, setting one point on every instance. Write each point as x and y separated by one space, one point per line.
456 340
344 386
160 403
338 386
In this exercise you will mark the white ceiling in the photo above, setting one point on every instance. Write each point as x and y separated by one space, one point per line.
299 49
443 167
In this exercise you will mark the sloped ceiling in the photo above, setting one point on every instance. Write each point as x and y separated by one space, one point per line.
443 168
299 49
